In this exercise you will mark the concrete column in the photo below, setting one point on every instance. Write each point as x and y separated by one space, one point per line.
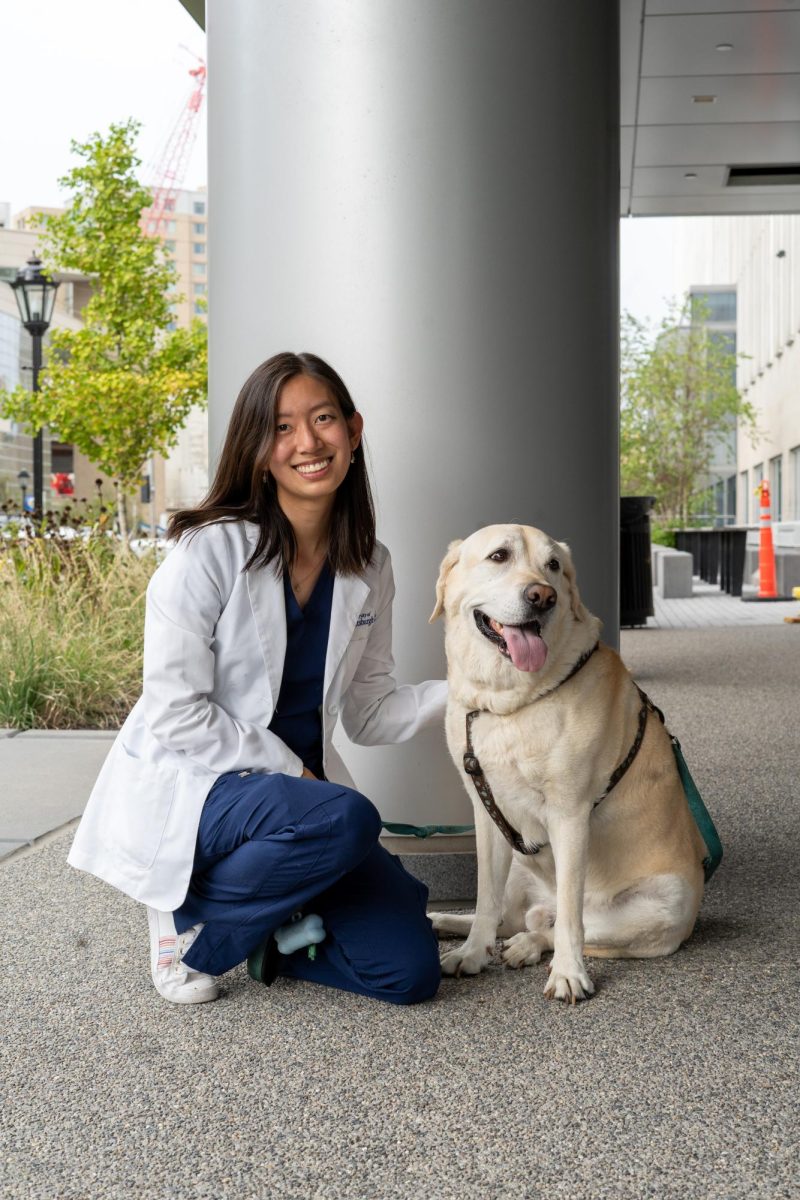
425 192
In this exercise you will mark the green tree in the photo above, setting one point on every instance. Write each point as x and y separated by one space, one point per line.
678 403
121 387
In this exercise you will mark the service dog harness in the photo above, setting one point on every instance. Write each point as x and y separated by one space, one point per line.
701 815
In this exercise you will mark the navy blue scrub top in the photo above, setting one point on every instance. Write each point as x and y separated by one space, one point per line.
297 719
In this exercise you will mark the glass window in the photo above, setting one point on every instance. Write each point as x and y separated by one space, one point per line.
743 515
171 226
199 308
776 487
730 500
169 245
714 306
198 268
199 207
199 227
198 247
794 467
719 498
199 289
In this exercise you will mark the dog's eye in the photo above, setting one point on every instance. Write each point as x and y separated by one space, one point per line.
499 555
554 565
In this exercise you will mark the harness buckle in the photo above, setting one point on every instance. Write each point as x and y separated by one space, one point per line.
471 764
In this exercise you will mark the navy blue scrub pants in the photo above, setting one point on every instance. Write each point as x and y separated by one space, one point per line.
269 846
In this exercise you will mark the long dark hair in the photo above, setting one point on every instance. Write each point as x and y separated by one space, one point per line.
240 493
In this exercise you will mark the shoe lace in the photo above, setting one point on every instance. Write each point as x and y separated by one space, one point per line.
182 945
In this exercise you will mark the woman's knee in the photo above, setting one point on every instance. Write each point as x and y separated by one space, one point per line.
356 823
418 980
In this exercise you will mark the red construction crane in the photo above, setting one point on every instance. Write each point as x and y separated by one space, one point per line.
170 169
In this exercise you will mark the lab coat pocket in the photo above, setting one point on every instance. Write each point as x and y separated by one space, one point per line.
143 802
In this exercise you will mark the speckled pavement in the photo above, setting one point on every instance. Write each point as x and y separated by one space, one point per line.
679 1079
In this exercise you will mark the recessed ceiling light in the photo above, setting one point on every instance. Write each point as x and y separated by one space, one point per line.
704 99
690 175
723 47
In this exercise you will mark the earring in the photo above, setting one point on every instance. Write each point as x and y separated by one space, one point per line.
264 477
353 457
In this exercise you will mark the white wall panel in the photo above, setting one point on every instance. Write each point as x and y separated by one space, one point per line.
763 43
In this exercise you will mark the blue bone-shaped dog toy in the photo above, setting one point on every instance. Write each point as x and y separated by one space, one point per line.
300 931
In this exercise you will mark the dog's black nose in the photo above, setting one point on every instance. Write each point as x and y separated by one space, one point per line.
541 596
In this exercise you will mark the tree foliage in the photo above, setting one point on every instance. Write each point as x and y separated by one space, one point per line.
678 402
121 387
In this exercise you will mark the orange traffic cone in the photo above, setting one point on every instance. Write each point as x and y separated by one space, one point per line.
767 589
767 586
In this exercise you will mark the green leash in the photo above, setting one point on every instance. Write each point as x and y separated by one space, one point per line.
425 831
702 817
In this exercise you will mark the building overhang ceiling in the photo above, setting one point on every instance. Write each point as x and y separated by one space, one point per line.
709 106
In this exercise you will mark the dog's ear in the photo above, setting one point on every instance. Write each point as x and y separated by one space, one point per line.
448 562
575 604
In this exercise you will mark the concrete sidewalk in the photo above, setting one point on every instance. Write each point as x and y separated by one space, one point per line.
710 607
677 1079
48 775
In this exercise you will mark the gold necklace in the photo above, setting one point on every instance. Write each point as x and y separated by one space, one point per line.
296 581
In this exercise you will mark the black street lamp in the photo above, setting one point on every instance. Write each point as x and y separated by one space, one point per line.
23 478
35 294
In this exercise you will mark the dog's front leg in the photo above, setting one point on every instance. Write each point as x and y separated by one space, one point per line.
569 838
494 861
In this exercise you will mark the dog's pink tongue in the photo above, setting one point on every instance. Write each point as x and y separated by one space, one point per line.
528 652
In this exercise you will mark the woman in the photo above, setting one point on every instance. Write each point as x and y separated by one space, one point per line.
222 805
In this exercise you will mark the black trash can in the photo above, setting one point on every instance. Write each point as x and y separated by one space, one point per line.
636 575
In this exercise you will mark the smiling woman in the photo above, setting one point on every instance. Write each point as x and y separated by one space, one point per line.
293 415
269 619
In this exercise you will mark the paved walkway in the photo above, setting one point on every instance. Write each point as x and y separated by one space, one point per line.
677 1079
711 608
47 776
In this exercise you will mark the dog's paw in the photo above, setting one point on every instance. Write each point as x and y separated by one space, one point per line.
523 949
465 960
449 923
570 983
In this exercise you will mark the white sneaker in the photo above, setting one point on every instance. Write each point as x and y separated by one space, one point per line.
174 981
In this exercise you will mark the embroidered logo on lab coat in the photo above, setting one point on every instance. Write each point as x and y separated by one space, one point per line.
366 618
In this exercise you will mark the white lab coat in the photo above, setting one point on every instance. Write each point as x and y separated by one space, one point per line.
214 647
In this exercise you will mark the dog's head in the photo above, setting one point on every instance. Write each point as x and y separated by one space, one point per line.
512 592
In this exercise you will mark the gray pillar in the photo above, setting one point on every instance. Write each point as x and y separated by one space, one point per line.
424 192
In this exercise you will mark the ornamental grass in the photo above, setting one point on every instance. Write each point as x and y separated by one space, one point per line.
71 630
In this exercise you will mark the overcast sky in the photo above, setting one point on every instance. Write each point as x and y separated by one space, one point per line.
71 67
647 249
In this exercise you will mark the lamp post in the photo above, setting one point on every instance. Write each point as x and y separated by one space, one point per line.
35 293
23 478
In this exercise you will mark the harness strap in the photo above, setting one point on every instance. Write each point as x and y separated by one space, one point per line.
474 770
647 707
582 661
473 767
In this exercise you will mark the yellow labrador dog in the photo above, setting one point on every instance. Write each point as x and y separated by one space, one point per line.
584 834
